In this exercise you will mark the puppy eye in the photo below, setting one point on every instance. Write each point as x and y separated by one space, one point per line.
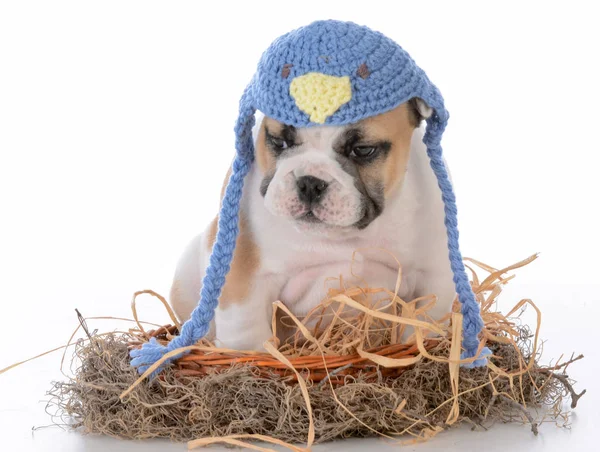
279 143
362 152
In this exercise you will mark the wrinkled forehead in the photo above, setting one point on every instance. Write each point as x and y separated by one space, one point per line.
307 135
273 126
376 126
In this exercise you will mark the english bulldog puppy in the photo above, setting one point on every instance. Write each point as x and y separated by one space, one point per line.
313 197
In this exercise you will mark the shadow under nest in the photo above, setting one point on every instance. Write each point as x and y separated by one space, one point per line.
237 394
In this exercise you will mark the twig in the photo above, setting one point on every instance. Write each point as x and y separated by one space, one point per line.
564 379
565 364
518 406
475 424
83 324
333 373
492 401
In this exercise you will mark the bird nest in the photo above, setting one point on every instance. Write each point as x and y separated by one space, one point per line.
344 372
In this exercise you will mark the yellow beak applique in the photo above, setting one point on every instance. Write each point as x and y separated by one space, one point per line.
320 95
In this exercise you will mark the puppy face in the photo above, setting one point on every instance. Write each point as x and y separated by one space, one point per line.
335 177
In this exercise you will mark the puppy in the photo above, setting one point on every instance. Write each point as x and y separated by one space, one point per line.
313 196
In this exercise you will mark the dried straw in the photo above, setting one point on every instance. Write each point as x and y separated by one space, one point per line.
343 373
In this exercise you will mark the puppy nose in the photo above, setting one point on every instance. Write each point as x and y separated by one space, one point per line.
311 189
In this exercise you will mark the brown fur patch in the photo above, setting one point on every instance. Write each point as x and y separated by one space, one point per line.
396 126
246 259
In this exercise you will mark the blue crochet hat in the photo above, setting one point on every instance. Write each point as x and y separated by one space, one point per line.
328 72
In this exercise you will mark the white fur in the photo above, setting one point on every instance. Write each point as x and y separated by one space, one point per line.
341 204
296 258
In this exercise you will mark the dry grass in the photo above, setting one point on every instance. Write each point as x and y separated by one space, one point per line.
343 373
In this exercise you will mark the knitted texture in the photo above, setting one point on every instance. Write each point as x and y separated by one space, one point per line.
320 95
337 73
222 254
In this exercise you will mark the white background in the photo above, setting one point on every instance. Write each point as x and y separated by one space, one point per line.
116 125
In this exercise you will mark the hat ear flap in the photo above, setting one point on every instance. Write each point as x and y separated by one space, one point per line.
198 325
472 321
